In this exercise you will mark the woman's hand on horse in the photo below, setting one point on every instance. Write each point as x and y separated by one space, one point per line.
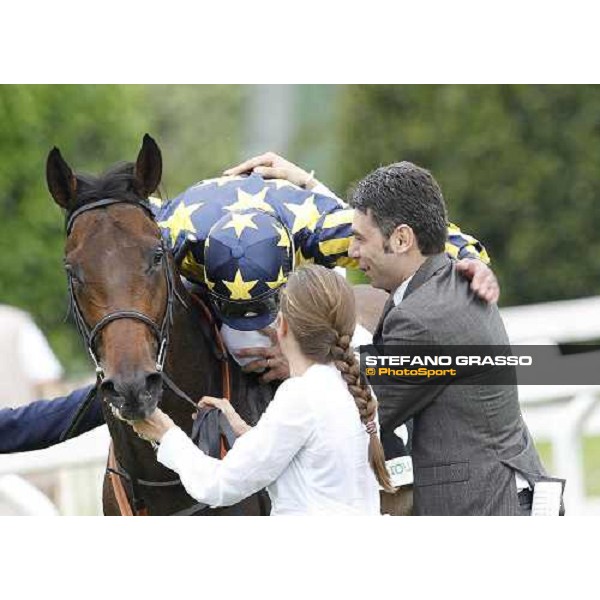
221 403
154 427
238 424
273 166
483 281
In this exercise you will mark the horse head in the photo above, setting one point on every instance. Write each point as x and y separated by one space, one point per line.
120 275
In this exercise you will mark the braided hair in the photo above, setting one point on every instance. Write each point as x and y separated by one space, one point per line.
320 309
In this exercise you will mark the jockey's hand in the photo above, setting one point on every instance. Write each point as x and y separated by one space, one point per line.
238 424
154 427
483 280
273 166
271 360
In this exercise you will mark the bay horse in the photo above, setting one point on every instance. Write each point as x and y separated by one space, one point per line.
151 340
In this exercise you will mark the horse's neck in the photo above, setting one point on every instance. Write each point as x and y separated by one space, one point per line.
191 359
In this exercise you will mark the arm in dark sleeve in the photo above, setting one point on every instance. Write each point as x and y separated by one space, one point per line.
400 400
40 424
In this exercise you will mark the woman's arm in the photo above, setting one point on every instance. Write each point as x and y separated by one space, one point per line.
256 460
40 424
238 424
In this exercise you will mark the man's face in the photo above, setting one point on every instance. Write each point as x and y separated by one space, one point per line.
371 250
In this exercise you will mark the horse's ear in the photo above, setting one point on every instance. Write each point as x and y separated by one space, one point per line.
62 182
148 167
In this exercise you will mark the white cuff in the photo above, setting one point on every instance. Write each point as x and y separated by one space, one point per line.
173 444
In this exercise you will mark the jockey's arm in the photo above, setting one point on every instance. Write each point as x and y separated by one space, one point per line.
41 424
330 241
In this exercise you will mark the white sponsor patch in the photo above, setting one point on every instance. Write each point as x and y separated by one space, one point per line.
400 470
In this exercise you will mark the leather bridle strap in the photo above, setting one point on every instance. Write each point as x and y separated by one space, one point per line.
100 204
225 374
123 314
117 486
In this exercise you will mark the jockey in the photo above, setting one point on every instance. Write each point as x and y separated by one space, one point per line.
239 236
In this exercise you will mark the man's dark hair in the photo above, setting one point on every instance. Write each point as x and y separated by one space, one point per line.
403 193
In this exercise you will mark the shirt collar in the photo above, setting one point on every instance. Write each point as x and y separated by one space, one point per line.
401 290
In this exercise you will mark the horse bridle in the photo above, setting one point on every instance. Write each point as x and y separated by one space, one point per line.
90 334
161 333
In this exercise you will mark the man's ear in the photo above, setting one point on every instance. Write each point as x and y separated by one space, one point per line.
148 167
61 180
402 239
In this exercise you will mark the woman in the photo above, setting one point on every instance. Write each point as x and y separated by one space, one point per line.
313 445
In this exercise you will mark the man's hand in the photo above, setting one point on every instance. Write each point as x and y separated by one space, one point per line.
154 427
483 280
270 359
273 166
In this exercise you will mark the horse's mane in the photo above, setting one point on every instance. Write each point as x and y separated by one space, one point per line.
118 181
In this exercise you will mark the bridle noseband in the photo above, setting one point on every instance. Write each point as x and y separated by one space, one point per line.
90 334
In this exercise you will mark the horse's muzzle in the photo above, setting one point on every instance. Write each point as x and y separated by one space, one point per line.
134 397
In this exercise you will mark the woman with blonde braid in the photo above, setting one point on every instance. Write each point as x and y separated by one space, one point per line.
316 448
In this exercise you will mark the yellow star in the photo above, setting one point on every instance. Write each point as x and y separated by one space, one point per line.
246 200
307 214
220 181
281 279
240 222
240 289
284 238
181 220
281 183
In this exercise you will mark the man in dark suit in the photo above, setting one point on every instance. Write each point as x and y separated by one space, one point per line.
472 453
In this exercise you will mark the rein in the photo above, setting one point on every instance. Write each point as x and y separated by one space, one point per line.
161 333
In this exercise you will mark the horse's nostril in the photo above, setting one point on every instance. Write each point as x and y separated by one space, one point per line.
108 387
154 382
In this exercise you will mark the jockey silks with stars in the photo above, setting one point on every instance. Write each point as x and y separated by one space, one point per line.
249 233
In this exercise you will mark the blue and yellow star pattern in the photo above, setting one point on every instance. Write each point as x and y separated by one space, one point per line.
320 225
246 259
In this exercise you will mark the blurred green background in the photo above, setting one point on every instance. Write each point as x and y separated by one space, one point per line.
518 166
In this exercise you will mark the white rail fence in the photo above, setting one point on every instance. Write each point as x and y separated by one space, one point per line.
79 467
561 415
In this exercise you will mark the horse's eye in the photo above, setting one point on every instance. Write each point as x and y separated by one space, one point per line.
72 273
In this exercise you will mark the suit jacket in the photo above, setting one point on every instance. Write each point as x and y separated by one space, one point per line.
41 424
468 440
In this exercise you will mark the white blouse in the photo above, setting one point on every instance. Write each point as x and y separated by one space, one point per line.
309 450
